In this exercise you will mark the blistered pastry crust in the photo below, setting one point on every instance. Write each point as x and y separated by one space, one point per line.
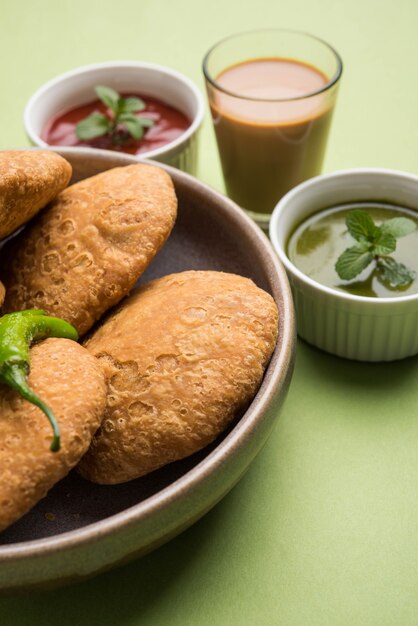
183 356
71 382
28 181
86 252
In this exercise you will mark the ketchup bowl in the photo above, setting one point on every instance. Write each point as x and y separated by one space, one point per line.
172 101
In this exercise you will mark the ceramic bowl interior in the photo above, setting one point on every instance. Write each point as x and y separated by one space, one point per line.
356 327
76 87
81 528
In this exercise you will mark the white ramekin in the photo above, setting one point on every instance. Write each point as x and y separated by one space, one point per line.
77 87
355 327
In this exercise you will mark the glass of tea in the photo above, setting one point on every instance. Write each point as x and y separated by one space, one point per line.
272 95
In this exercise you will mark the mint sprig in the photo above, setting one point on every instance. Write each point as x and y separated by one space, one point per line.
119 122
375 244
393 274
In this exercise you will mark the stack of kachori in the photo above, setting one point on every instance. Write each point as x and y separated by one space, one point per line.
172 367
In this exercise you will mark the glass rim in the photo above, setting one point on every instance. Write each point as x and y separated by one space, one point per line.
330 83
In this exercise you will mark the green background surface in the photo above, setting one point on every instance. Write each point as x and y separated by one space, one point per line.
323 529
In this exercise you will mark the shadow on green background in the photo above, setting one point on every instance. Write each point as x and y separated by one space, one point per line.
126 595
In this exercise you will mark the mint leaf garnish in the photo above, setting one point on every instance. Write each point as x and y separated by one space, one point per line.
131 105
398 227
361 226
145 122
353 261
108 96
384 243
133 125
394 275
95 125
119 123
375 243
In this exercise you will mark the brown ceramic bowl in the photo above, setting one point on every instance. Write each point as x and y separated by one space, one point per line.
80 528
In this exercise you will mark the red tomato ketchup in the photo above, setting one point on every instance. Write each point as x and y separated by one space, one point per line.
169 123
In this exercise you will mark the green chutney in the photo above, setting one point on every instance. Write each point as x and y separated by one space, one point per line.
316 244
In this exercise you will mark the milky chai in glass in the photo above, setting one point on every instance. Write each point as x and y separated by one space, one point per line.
271 115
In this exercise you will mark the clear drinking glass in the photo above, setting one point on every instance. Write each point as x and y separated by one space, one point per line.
272 95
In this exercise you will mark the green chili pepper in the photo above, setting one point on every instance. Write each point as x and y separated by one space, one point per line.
17 332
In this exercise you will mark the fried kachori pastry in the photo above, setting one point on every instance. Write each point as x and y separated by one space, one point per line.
29 180
87 251
71 381
183 356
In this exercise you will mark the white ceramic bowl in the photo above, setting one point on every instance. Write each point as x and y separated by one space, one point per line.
76 87
356 327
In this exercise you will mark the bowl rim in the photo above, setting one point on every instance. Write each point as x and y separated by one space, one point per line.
274 378
317 182
90 69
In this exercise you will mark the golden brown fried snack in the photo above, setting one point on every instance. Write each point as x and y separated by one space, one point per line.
88 250
2 293
67 378
182 356
28 181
